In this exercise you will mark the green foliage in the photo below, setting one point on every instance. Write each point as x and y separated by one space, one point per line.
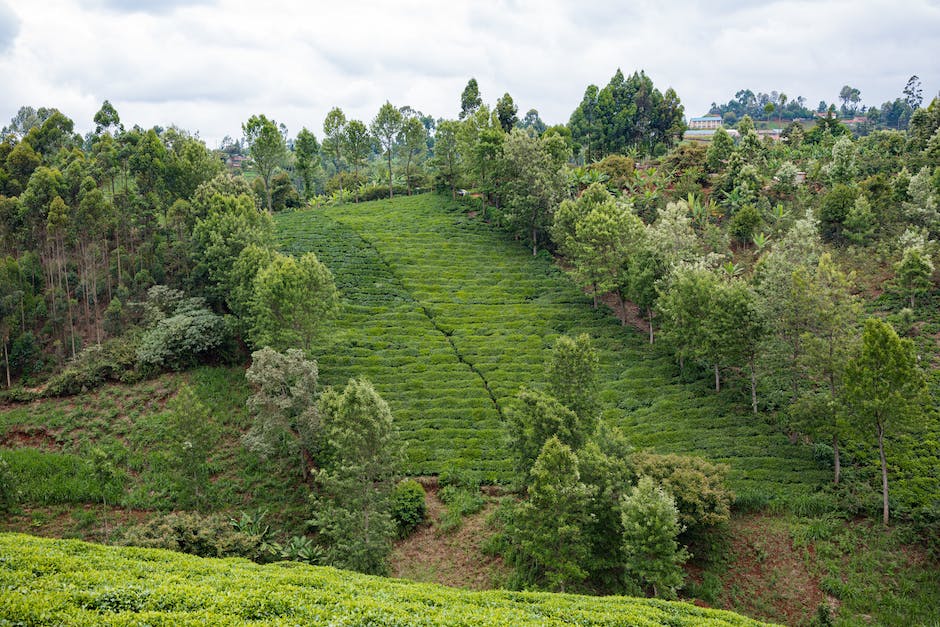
291 300
286 424
571 373
408 506
9 490
536 418
698 487
47 478
913 274
113 360
461 501
183 331
354 499
197 534
48 582
267 147
650 525
550 545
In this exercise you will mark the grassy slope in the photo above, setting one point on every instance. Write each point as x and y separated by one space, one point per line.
53 582
446 316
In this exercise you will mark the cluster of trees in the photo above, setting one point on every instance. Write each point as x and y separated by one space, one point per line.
596 515
740 263
346 448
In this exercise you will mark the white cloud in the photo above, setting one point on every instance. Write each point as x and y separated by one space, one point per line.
208 65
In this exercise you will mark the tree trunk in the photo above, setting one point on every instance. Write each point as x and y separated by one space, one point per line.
835 459
535 244
593 288
884 471
390 192
753 387
623 309
6 361
649 318
717 379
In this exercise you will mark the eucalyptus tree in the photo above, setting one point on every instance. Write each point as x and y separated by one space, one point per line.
385 127
267 148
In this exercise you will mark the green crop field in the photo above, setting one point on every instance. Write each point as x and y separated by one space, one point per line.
66 582
449 317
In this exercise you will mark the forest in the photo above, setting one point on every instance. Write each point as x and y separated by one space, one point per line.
619 346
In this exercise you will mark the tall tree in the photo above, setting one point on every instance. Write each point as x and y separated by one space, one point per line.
357 144
106 119
286 424
470 99
447 155
571 372
334 134
506 111
354 500
267 148
413 139
307 156
385 127
884 388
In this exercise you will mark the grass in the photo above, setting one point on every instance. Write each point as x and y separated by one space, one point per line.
55 582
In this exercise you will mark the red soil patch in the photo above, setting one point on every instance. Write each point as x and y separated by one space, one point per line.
19 436
452 559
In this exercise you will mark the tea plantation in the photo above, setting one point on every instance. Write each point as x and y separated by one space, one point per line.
59 582
449 317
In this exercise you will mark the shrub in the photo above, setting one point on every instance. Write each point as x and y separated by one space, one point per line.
408 506
114 360
183 331
460 502
206 536
698 486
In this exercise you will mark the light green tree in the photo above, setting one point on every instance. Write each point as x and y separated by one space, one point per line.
652 554
413 139
385 127
535 417
447 158
884 388
291 300
334 132
353 503
267 148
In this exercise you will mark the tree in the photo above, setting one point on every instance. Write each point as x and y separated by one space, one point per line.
354 505
470 99
571 372
286 423
506 111
194 438
385 127
307 156
357 143
533 183
107 118
334 133
912 274
447 155
267 148
535 418
719 150
532 121
884 388
739 329
292 298
849 94
413 139
913 93
650 526
548 532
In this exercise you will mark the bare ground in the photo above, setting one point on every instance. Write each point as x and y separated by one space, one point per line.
452 559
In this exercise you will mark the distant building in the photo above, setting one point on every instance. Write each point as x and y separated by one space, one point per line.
707 122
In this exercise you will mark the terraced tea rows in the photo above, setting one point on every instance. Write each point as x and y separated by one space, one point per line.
65 582
448 317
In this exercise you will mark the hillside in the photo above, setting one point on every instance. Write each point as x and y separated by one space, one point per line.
54 582
449 317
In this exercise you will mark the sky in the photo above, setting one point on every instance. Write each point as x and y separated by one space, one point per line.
208 65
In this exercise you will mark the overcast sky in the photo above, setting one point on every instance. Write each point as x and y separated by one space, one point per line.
207 65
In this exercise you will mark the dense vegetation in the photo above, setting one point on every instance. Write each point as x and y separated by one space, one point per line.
794 279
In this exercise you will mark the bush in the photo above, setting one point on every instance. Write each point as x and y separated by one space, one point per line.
698 486
183 330
206 536
460 502
408 506
114 360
